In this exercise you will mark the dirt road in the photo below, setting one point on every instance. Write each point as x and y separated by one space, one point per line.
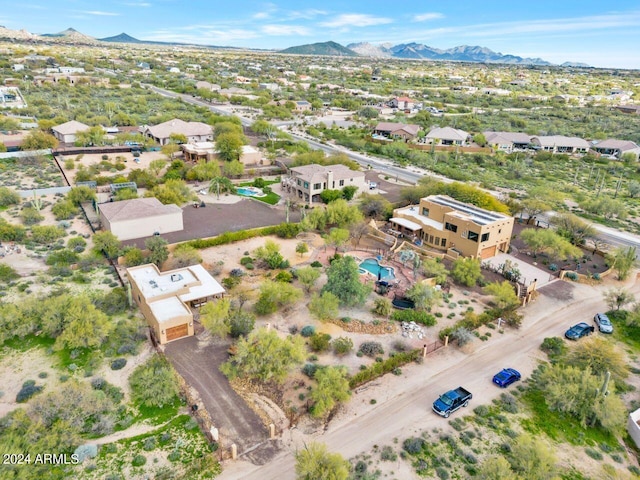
404 403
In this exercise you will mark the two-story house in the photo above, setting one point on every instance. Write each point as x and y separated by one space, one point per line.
307 182
445 224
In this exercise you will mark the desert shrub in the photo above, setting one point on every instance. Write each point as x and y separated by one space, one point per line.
508 403
554 347
316 264
245 260
284 276
154 383
378 369
416 316
319 342
230 282
310 369
139 460
481 410
308 331
572 276
371 349
413 445
388 454
28 390
118 363
342 345
240 323
596 455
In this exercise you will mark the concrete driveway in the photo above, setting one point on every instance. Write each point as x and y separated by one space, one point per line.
237 423
529 272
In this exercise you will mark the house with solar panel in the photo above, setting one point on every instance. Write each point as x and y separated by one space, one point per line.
442 223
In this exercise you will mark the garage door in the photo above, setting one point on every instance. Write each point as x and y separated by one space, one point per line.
177 332
488 252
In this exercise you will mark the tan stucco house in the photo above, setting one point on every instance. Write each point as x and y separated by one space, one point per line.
397 131
307 182
140 217
194 131
443 223
66 132
166 298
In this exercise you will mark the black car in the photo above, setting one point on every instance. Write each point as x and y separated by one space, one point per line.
578 331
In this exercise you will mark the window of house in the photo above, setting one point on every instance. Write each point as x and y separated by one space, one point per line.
451 227
473 236
437 242
317 186
306 184
425 211
299 182
485 237
444 242
430 238
342 183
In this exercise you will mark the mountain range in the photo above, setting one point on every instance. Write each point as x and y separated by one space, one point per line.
415 51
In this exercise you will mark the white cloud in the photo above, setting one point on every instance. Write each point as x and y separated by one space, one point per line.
201 35
285 30
137 4
305 14
100 13
355 20
261 15
423 17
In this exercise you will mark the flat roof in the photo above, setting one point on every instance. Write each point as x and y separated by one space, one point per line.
195 278
414 211
168 309
406 223
475 214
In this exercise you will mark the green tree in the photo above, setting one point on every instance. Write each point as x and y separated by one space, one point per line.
241 323
226 127
618 297
125 194
269 254
634 188
601 356
233 168
8 197
301 248
158 251
349 192
229 146
328 196
548 241
274 295
340 214
382 306
107 243
133 256
173 191
331 388
495 468
533 458
87 327
94 136
308 276
375 206
214 317
534 207
315 462
204 171
573 228
154 383
337 237
185 255
433 268
220 185
343 280
424 296
81 194
170 150
466 271
622 260
325 306
38 140
504 295
156 166
264 356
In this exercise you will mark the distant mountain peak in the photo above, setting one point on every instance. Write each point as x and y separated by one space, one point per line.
322 48
121 38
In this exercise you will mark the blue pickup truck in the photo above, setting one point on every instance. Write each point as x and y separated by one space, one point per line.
451 401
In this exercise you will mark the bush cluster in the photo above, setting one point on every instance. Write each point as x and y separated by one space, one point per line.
380 368
371 349
416 316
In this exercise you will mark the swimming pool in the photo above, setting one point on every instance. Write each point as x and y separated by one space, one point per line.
250 192
381 272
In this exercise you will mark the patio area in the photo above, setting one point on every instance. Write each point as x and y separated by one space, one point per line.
529 271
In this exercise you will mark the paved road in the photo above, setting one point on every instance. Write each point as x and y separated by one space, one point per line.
198 363
403 403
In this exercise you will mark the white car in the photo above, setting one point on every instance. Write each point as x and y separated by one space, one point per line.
603 323
203 192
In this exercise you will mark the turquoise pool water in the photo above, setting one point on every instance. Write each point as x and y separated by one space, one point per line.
381 272
250 191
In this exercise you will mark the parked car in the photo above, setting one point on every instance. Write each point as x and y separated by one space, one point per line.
603 323
451 401
506 377
578 331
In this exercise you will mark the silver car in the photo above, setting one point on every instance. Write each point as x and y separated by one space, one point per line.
603 323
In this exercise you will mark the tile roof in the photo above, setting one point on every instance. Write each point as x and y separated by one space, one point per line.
512 137
622 145
395 127
136 208
561 141
313 172
447 133
189 129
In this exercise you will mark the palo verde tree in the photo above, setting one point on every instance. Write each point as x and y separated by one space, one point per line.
315 462
264 356
622 260
331 388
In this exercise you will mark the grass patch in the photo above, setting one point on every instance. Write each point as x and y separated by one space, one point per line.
624 331
558 426
158 415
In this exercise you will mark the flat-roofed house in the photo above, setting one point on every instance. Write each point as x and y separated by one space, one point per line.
561 144
397 131
166 298
140 217
507 141
66 132
616 148
307 182
445 224
446 136
194 152
194 131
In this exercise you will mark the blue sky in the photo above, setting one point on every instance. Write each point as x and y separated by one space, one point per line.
599 33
